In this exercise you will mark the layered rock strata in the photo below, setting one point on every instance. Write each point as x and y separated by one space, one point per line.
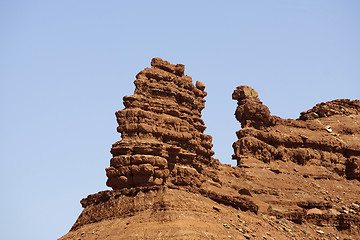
166 185
325 136
162 132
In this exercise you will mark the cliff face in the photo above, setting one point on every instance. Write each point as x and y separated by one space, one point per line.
294 179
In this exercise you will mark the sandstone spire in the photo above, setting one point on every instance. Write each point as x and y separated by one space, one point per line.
162 131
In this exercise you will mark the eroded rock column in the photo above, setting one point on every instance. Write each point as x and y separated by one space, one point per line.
162 132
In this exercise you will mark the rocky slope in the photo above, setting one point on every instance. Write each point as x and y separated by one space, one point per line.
294 179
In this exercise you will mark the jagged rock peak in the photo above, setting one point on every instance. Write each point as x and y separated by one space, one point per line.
163 140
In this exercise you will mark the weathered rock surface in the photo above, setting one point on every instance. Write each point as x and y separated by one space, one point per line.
163 138
344 107
295 179
330 140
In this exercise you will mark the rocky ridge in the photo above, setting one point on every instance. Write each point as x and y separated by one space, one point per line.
322 136
294 179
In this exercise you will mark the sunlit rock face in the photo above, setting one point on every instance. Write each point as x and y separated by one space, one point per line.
324 136
163 138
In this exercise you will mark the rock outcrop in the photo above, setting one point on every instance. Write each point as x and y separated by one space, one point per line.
294 179
163 147
163 138
298 166
323 136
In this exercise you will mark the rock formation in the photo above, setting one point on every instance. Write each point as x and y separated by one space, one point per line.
323 136
163 147
294 179
298 166
162 131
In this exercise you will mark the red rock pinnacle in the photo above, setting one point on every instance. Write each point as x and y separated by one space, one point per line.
162 131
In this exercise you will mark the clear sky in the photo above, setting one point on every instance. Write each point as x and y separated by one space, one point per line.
65 66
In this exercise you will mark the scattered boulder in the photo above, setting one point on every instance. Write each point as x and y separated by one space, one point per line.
333 212
314 211
245 191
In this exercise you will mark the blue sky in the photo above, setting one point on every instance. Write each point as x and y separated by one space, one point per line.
65 66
